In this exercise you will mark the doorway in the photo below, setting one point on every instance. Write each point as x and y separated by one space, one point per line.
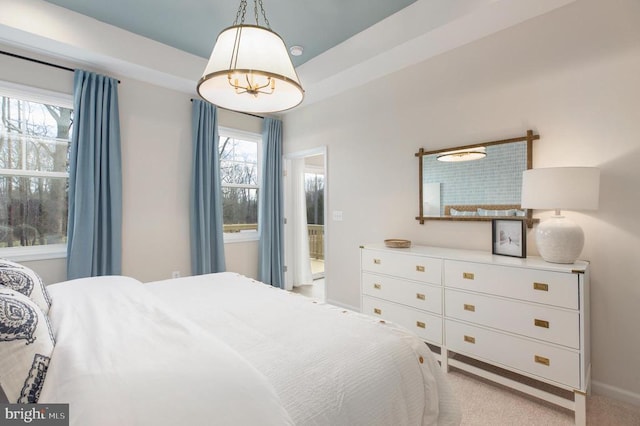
305 224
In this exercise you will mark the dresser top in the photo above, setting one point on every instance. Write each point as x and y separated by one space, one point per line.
479 256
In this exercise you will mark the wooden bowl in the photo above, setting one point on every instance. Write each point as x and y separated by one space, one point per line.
396 243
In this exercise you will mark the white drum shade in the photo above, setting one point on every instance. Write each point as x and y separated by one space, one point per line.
560 188
250 53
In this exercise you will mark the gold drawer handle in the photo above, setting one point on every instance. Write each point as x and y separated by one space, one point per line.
470 339
470 308
420 296
420 324
468 276
420 268
377 286
541 323
541 286
377 311
377 261
542 360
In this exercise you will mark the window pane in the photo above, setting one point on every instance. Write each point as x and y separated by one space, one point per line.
33 211
240 209
34 136
238 161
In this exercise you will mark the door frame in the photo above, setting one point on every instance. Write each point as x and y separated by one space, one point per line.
288 237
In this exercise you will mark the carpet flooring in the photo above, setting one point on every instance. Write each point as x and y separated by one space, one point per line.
485 403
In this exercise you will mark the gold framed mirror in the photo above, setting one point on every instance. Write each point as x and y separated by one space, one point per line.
476 182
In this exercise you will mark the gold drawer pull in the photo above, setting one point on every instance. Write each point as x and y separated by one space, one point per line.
377 286
377 311
542 360
421 324
541 323
468 275
420 296
470 308
420 268
541 286
470 339
377 261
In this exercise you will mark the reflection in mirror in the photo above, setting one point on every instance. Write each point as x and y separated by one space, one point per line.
475 187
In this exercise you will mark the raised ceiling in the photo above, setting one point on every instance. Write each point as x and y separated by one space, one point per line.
193 25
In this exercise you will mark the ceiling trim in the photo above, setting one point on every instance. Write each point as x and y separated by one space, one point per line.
416 33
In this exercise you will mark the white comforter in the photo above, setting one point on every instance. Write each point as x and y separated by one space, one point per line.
222 349
329 366
122 357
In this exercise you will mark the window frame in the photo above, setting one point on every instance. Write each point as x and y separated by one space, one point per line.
43 96
249 137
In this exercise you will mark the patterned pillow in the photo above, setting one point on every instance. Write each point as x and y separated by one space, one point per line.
25 281
26 344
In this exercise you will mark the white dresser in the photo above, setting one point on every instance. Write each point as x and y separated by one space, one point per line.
524 316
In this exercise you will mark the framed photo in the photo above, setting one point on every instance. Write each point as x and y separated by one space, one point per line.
509 237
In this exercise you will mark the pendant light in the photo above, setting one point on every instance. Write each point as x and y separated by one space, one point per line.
250 69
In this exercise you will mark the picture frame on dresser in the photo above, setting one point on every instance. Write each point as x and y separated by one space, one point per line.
509 237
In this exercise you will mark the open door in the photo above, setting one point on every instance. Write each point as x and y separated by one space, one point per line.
305 212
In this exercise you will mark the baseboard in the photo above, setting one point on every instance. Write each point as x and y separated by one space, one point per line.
615 393
342 305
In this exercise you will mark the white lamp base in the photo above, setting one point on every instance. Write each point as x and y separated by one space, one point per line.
559 240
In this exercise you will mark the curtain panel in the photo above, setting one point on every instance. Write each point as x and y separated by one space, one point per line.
206 221
94 240
271 207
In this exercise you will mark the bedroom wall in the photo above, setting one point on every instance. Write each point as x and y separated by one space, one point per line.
572 76
156 165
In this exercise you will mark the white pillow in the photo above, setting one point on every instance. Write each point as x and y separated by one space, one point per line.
25 281
454 212
26 344
507 212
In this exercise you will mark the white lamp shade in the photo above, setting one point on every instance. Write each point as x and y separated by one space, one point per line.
560 188
260 54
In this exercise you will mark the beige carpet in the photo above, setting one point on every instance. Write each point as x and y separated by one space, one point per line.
486 403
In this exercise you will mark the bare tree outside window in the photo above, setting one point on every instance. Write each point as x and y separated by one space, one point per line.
34 163
239 177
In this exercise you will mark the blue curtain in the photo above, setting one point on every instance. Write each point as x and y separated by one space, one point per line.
271 207
207 238
94 241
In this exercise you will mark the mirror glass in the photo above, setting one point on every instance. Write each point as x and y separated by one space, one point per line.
479 189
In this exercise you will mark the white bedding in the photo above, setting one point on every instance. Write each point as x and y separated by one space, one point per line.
329 366
222 349
123 358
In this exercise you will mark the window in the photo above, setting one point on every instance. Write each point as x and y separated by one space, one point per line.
35 132
240 154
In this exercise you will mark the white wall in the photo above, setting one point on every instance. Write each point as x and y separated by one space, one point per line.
571 75
155 126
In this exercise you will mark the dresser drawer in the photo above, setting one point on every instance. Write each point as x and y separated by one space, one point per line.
532 320
418 268
411 293
426 326
546 361
547 287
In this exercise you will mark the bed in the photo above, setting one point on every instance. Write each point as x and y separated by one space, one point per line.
226 349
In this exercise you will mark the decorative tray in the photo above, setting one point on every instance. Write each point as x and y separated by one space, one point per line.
396 243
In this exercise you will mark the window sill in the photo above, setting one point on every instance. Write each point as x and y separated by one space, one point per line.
25 254
241 237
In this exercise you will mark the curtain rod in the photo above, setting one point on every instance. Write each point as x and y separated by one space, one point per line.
37 61
239 112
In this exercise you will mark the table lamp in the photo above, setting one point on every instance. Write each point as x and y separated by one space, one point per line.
560 240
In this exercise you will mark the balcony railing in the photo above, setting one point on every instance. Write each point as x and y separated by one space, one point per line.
314 232
316 241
